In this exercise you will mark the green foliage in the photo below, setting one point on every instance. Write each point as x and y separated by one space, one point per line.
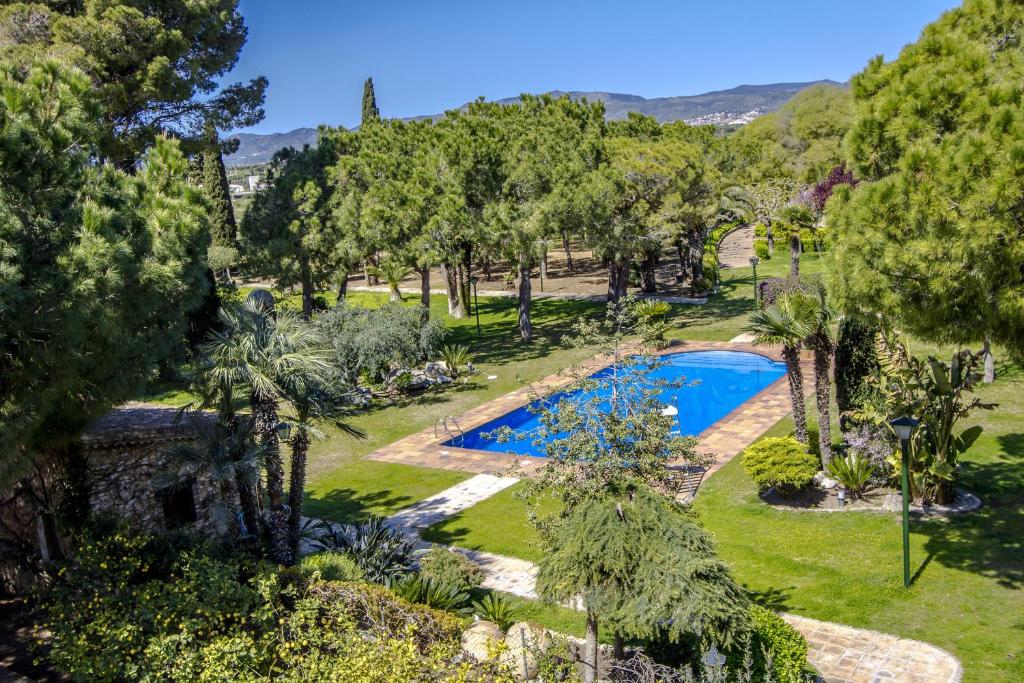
134 608
370 111
98 269
652 318
780 462
855 362
154 66
854 472
932 239
456 357
775 640
392 271
370 342
424 591
450 568
761 249
496 609
223 230
383 553
331 566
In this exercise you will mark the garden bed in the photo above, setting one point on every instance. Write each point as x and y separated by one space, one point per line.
876 500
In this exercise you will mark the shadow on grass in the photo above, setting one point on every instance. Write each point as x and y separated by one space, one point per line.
990 541
775 599
350 506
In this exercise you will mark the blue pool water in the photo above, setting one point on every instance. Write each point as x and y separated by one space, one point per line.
717 382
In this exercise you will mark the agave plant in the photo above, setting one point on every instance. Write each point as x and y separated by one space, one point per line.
854 472
415 588
496 609
455 356
383 553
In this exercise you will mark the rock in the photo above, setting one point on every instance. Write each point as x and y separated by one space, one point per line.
524 643
480 640
443 379
435 369
823 481
418 381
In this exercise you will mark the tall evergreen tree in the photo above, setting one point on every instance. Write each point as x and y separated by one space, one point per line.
223 228
370 111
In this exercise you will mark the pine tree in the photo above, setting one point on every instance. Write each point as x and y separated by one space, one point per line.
223 228
370 111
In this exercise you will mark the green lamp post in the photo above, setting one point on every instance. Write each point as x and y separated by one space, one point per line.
904 427
754 260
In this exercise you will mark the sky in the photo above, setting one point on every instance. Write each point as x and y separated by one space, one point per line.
427 56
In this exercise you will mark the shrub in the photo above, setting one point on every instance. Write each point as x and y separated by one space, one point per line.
856 361
652 317
382 553
761 249
496 609
781 462
854 472
761 231
331 566
422 591
371 342
775 639
808 242
450 568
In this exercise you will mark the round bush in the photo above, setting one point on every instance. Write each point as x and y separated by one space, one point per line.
333 566
781 462
761 249
449 568
775 639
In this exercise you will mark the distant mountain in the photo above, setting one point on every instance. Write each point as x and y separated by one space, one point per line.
258 149
735 106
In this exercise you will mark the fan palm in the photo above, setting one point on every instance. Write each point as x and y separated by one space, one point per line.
392 271
314 398
786 323
822 341
226 455
261 352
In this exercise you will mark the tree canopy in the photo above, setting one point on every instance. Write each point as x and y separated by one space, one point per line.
932 239
154 65
98 269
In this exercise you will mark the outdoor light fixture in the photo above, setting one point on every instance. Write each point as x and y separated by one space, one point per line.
754 260
714 659
284 431
476 303
904 427
842 497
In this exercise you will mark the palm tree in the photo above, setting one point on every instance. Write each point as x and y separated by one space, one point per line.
229 457
262 352
822 341
392 271
785 323
314 398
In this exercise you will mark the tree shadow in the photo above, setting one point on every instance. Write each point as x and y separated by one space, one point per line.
349 506
989 541
775 599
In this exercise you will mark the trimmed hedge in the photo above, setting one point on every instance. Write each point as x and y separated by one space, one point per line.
780 641
780 462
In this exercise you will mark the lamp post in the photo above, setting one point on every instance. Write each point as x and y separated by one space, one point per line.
754 260
284 431
476 304
904 427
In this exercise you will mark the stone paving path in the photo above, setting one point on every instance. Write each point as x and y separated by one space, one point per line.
412 520
736 248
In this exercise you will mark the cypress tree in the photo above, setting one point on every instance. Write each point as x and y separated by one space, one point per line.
223 228
856 360
370 111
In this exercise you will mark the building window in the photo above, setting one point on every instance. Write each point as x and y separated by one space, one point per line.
179 504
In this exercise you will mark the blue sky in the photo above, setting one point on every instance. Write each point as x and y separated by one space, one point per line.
431 55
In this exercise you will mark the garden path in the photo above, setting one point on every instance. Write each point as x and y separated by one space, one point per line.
411 521
736 248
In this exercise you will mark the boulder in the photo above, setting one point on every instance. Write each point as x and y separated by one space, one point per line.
823 481
481 640
435 369
418 381
524 644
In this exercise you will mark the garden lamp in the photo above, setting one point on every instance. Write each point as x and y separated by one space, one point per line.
284 431
754 260
904 427
476 304
714 659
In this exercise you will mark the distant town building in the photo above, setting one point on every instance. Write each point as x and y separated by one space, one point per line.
236 189
254 183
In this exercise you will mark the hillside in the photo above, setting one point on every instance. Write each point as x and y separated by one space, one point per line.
734 106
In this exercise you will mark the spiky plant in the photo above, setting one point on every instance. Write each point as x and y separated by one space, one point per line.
455 356
392 271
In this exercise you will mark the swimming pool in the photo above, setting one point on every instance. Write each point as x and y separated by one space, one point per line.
722 380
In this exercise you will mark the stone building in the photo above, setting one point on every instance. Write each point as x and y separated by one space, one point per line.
123 460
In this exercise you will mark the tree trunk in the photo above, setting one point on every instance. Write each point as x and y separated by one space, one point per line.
648 273
990 363
456 306
396 293
525 328
823 395
343 288
297 489
247 500
425 290
796 390
618 280
487 269
618 647
543 266
794 254
684 270
371 279
568 252
769 235
590 650
307 289
265 414
465 273
695 243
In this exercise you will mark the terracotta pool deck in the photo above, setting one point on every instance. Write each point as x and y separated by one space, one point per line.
724 439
